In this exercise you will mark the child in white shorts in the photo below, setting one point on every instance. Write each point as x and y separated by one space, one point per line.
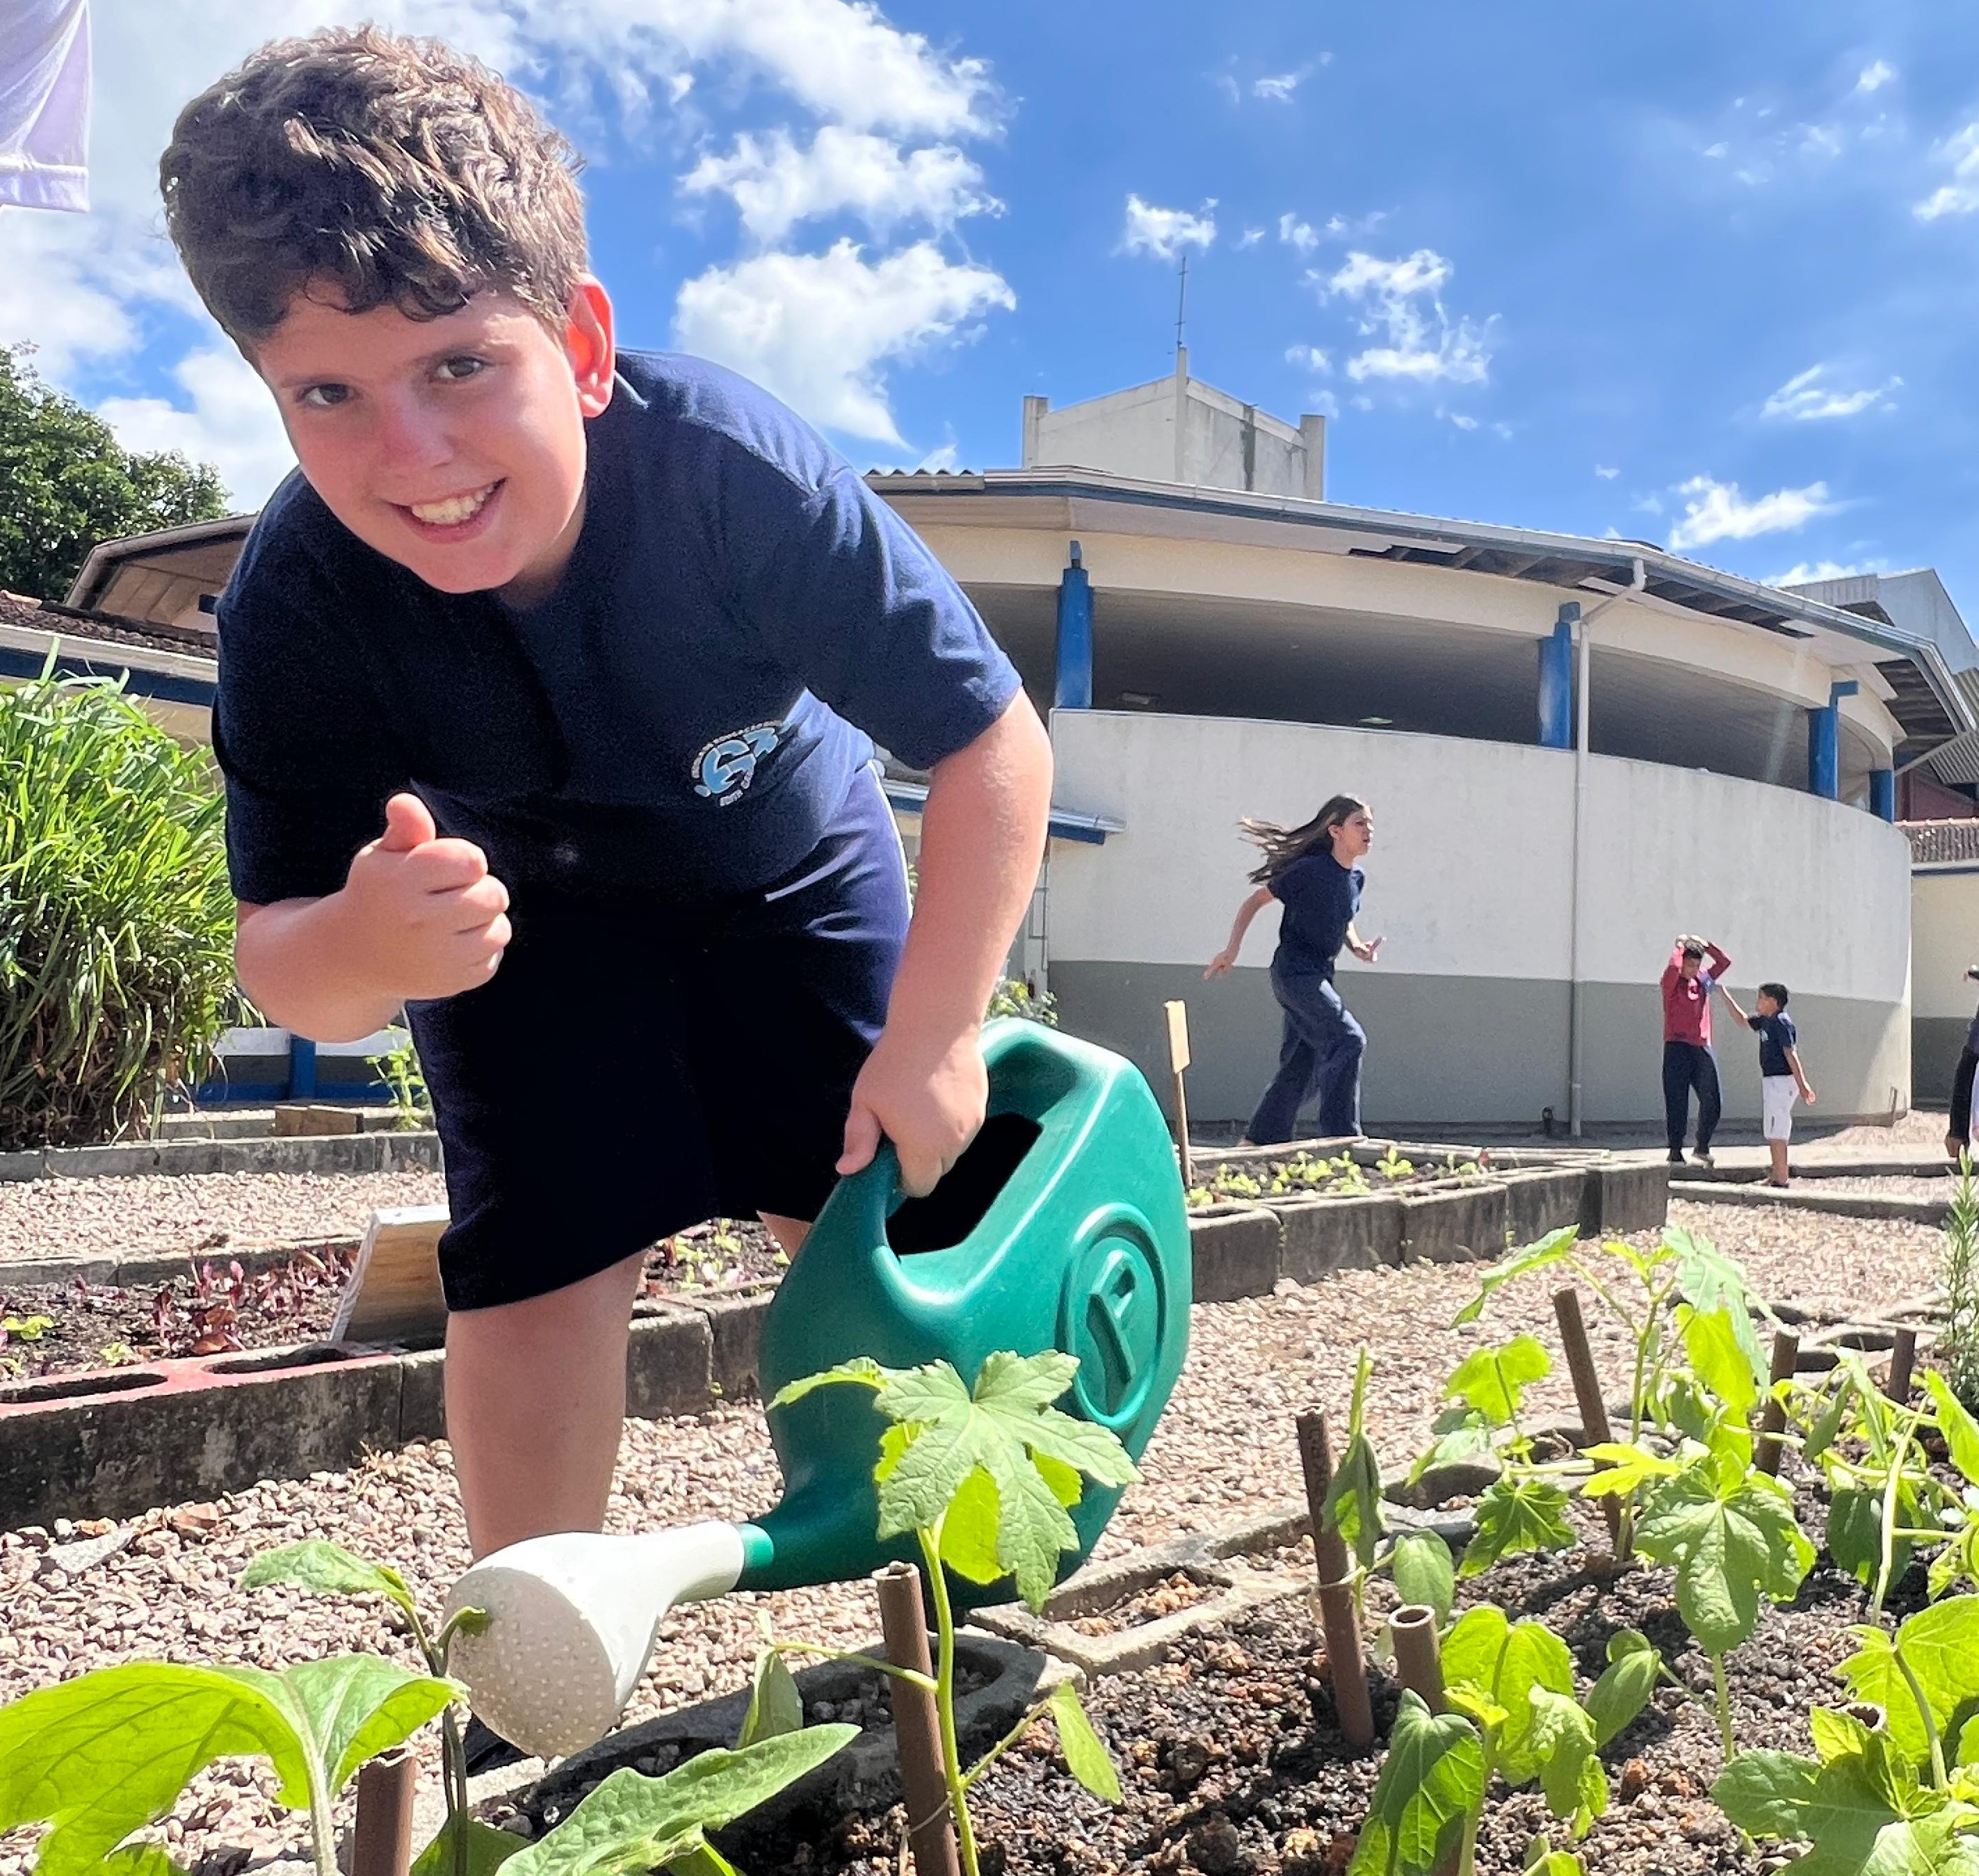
1781 1079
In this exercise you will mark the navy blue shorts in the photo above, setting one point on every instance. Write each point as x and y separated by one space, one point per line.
632 1070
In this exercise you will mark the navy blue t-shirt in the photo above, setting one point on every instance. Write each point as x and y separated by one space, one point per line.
1320 897
1777 1034
677 720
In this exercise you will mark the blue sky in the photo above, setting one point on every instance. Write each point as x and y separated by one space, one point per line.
1700 275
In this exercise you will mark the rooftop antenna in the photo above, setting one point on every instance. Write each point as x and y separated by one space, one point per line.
1181 303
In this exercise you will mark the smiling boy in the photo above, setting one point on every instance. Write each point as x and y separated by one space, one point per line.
547 692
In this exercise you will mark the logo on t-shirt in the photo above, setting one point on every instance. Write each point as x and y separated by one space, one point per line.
726 767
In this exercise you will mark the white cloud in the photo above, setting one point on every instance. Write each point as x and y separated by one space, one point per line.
1821 140
1309 358
1808 399
816 329
1716 511
1805 573
1279 89
1294 233
231 423
1960 195
1875 76
1458 418
776 184
1605 474
1166 232
1401 301
1249 238
939 461
1715 151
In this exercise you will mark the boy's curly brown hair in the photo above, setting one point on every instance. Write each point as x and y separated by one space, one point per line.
391 169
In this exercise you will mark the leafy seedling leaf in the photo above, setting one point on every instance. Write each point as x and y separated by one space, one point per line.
1940 1646
1425 1572
1708 1279
1492 1380
1353 1505
488 1849
1515 1515
1624 1468
328 1569
1560 1740
1624 1686
1728 1550
1433 1776
775 1705
102 1754
1462 1437
632 1823
1960 1429
1550 1249
862 1370
1086 1754
1717 1357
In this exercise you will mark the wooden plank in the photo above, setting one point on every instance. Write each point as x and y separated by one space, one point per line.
1177 1016
394 1293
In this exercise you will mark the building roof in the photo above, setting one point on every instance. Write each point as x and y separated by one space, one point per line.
1942 843
1929 703
103 628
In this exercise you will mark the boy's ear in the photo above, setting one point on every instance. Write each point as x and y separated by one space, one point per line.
588 343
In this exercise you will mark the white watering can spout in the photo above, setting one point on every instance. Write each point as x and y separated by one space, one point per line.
571 1622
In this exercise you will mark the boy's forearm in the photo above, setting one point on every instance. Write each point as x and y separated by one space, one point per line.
983 836
297 961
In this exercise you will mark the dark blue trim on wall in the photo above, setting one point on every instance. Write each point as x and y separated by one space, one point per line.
15 663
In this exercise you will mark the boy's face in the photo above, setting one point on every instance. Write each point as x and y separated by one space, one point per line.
1768 1007
453 445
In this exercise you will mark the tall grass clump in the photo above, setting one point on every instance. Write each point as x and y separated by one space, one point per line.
116 920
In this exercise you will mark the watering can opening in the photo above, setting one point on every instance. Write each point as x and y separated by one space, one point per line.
946 1216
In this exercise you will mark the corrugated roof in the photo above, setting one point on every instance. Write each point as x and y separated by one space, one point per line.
102 628
1940 842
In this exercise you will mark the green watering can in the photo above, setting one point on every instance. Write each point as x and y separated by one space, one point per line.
1062 1226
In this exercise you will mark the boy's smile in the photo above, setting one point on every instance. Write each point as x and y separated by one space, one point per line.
453 445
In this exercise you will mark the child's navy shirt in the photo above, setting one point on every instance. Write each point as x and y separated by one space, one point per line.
675 721
1777 1034
1320 897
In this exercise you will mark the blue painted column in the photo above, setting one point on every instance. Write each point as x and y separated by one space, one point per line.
1824 743
302 1069
1074 688
1883 794
1556 680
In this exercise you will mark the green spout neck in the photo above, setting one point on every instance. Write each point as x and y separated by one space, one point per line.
822 1535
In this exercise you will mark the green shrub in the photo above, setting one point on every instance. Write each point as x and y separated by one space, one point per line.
116 921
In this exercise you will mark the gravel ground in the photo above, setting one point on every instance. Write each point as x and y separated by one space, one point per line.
1920 1185
204 1212
1225 1447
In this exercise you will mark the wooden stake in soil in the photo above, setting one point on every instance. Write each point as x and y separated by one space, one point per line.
1337 1613
381 1844
1773 1422
916 1723
1594 1422
1177 1016
1418 1655
1903 1362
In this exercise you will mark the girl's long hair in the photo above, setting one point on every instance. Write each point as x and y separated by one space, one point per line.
1284 845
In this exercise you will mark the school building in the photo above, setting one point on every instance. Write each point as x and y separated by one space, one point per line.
1573 749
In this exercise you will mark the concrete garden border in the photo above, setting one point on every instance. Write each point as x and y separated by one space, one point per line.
111 1443
1836 1204
414 1149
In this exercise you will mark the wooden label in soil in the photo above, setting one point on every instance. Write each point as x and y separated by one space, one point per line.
394 1293
1178 1015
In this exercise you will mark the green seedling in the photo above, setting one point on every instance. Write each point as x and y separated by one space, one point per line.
1904 1801
1957 1346
984 1480
1645 1291
398 1069
1524 1509
1729 1530
1515 1717
1392 1165
108 1753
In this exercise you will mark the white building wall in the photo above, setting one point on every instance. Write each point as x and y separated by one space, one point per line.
1470 882
1944 939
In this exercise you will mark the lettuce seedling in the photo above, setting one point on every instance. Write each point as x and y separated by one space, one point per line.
984 1479
1516 1717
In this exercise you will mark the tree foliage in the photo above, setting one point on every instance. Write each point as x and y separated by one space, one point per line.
66 483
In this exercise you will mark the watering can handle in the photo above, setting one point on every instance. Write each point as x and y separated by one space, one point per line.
872 1193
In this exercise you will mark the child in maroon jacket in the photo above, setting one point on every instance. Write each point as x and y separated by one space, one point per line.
1688 1062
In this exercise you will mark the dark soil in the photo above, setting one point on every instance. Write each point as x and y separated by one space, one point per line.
1232 1764
724 1254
